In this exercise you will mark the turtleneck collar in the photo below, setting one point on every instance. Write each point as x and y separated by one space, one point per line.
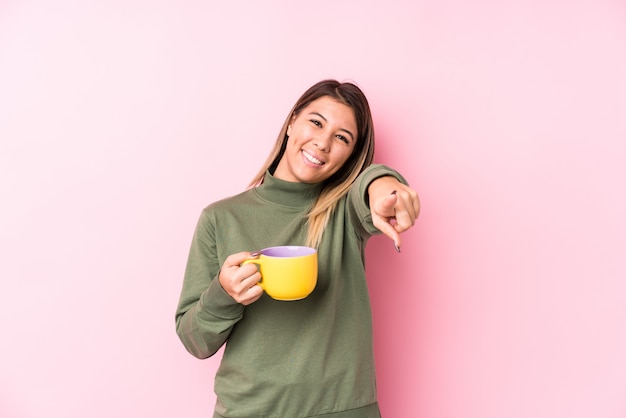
286 193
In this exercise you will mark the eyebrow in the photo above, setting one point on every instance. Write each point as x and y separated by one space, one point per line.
326 120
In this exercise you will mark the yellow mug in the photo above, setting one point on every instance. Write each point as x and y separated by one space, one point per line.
287 272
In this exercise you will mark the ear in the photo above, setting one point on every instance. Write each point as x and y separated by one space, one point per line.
293 117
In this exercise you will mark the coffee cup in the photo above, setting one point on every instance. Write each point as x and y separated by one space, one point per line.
287 272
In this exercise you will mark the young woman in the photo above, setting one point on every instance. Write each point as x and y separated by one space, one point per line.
311 357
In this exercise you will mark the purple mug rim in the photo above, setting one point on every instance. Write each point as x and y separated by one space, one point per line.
287 251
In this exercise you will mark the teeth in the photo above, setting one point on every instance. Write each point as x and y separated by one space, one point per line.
312 158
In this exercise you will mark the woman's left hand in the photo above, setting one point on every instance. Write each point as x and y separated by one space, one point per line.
394 206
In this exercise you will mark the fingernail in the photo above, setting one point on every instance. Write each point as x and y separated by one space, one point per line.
255 254
397 248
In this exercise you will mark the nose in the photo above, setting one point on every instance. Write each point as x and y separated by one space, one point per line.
322 142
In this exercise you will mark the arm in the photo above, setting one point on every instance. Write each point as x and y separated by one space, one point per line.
376 208
394 207
206 314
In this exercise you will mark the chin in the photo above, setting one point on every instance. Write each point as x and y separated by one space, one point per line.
309 180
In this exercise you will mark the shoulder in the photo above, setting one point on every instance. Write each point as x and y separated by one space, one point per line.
221 208
230 201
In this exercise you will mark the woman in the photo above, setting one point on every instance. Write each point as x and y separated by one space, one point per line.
319 188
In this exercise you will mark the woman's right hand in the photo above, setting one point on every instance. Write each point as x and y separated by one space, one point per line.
241 282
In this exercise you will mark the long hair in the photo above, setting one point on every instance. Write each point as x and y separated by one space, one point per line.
336 186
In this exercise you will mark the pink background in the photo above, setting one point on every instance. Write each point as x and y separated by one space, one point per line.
120 120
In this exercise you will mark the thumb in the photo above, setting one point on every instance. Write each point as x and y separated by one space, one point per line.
235 260
386 206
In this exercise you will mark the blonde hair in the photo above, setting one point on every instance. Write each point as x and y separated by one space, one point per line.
337 186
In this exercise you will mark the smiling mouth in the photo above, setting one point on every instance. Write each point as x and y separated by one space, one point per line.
311 158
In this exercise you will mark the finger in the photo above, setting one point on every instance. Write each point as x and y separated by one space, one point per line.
252 295
404 221
416 205
405 216
246 271
234 260
385 207
250 278
384 225
247 290
232 274
407 210
250 289
413 204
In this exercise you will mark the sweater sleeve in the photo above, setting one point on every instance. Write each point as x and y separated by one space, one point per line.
206 314
358 197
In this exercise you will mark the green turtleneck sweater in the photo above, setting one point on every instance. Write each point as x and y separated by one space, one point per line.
285 359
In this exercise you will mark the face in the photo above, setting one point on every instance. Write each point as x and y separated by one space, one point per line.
321 139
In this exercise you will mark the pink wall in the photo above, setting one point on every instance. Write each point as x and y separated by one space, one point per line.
120 121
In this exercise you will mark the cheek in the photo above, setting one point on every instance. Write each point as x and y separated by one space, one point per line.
292 140
343 157
297 135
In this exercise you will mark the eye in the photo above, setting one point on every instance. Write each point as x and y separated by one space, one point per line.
316 122
343 138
